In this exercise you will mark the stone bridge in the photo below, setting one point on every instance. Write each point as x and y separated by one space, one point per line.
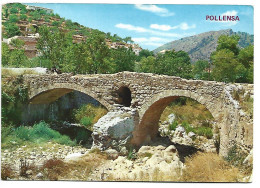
150 94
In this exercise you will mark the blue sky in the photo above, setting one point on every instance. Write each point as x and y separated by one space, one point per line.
151 26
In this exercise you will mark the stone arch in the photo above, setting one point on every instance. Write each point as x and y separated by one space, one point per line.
150 112
50 93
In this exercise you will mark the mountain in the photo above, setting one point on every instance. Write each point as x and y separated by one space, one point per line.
199 47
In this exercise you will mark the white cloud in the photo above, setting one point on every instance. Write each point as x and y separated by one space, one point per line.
143 30
230 13
131 27
151 41
185 26
182 26
161 27
155 9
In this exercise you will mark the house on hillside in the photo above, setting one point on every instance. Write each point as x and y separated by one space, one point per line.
33 8
29 47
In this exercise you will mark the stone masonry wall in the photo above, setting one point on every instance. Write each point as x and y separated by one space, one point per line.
150 95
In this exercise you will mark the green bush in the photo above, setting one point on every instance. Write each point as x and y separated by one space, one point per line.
39 133
173 126
22 133
187 127
236 156
204 131
23 17
86 121
14 11
13 18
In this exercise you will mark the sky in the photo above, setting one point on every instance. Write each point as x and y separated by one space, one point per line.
151 26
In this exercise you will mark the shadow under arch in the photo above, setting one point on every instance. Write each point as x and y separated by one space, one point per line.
151 111
50 93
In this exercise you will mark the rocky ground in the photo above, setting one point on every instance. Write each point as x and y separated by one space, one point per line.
148 161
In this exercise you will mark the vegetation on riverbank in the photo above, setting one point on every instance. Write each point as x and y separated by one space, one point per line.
35 135
89 114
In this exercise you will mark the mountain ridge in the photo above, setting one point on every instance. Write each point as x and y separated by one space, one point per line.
200 46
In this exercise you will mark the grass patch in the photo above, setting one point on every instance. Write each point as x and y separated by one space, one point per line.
209 167
186 109
201 131
173 126
89 114
39 133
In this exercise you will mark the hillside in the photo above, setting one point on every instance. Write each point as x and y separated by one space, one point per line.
24 21
202 45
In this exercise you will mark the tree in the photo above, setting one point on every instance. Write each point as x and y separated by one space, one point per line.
246 69
147 64
14 11
42 12
52 44
124 59
174 64
17 58
6 13
99 54
144 53
12 30
200 70
228 42
23 17
17 43
230 63
23 11
13 18
5 54
225 63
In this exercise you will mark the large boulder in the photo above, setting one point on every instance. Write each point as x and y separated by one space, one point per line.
114 130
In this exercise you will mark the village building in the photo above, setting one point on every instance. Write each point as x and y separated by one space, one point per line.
33 8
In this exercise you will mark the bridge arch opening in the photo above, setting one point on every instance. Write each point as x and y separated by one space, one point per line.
124 96
154 113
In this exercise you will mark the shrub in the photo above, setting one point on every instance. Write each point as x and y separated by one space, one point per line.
23 133
86 121
39 133
14 11
24 167
187 127
13 18
55 23
53 168
87 112
204 131
236 156
6 172
23 17
173 126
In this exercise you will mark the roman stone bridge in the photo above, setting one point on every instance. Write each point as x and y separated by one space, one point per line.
150 94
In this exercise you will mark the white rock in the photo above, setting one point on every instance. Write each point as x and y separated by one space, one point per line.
73 157
171 118
191 134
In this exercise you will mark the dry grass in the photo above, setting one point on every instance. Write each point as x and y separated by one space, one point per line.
192 112
209 167
6 172
156 175
56 169
90 111
9 72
